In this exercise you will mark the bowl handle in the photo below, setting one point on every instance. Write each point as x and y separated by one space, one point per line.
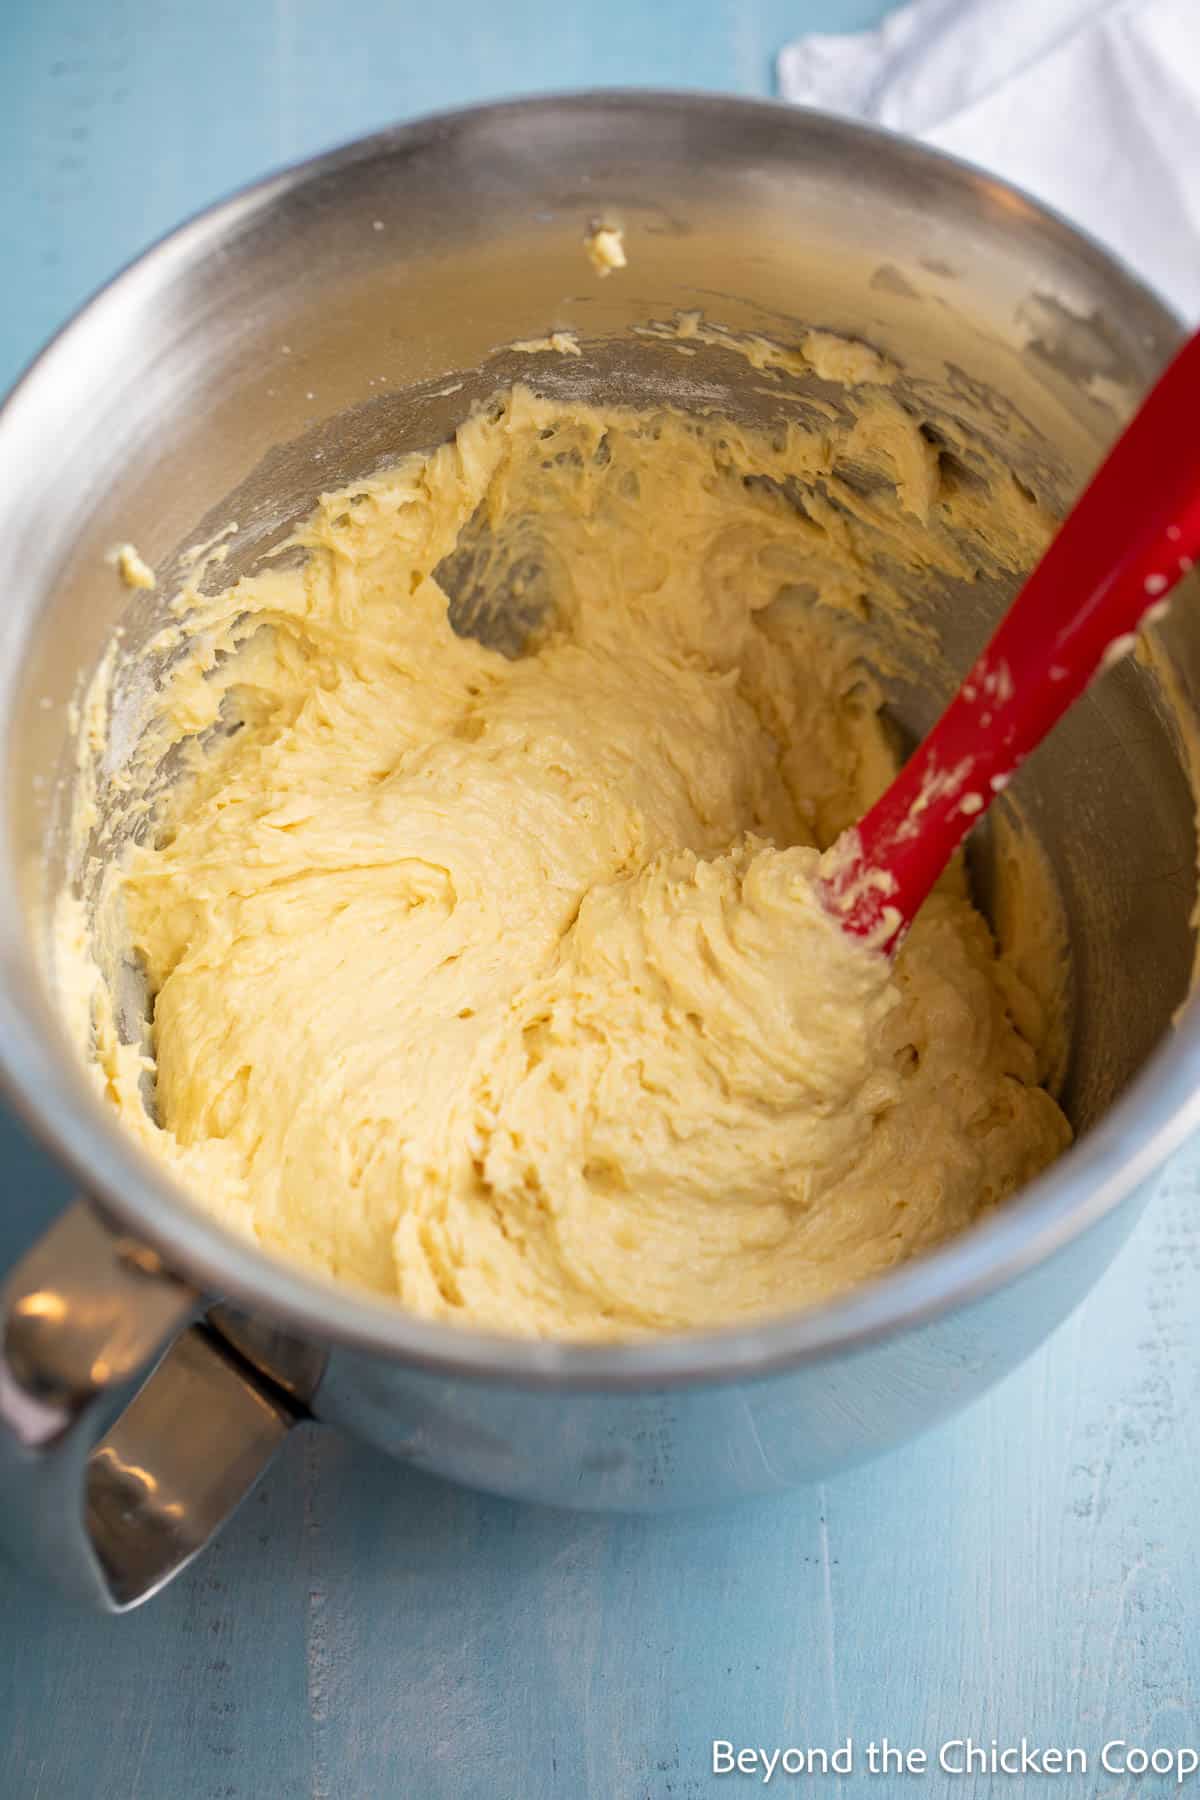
111 1482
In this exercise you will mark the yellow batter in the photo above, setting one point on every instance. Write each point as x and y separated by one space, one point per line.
496 982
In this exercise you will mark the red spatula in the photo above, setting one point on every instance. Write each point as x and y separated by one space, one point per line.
1130 537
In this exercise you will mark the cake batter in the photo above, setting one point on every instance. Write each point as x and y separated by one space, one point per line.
492 978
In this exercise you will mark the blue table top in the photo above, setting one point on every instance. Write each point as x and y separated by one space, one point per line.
360 1631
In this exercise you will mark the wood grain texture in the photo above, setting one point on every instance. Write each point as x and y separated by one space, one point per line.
361 1633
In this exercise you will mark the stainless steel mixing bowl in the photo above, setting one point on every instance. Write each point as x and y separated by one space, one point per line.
307 331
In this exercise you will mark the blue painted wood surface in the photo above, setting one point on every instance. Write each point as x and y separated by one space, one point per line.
361 1633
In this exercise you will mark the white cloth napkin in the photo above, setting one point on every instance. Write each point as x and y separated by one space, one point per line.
1092 105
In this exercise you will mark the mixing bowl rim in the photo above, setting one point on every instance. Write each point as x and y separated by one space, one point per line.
51 1089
